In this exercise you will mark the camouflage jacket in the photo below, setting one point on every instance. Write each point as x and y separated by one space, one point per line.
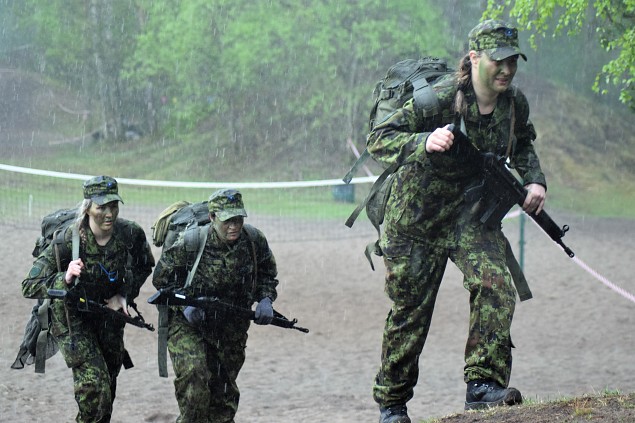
428 191
106 270
227 272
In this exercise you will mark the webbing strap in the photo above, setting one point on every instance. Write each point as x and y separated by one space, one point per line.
200 246
424 98
524 293
43 310
373 190
251 236
358 163
512 123
162 345
163 340
75 247
42 338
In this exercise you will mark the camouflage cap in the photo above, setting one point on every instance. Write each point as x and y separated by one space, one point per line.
101 190
497 38
226 203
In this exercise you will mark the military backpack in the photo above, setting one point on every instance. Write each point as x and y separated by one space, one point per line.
405 80
38 345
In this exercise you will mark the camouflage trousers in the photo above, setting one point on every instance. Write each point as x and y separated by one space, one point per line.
206 365
94 350
413 277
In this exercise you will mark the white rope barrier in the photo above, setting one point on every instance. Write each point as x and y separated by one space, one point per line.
183 184
290 184
596 275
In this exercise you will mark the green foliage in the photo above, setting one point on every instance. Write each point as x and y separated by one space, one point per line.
615 23
280 86
176 55
261 72
55 30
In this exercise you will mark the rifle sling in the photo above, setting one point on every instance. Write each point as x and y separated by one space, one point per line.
522 287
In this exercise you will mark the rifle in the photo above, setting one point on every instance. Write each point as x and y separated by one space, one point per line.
86 305
500 190
174 298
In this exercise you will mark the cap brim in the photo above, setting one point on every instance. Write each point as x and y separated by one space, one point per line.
100 200
503 53
229 213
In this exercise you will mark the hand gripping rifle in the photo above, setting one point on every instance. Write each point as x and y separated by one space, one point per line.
174 298
500 190
83 304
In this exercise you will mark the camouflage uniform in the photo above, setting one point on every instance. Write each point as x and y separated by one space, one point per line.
92 345
207 357
428 220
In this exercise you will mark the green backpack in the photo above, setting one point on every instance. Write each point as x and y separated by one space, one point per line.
175 219
38 345
404 80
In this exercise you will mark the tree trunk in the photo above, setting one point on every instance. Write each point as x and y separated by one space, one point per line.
107 71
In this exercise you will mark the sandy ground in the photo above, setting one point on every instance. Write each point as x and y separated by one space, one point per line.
576 336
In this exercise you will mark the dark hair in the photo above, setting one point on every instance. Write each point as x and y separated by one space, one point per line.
463 80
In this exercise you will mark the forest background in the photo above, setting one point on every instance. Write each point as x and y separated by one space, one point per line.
216 90
193 90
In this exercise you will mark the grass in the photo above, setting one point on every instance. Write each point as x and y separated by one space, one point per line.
607 406
609 200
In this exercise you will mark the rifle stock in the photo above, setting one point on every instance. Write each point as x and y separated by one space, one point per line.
503 190
172 298
84 304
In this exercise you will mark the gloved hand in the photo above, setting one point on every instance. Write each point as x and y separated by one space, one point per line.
264 312
194 315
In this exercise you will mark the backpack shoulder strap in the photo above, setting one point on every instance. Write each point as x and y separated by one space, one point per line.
195 238
252 234
512 123
424 98
59 249
75 243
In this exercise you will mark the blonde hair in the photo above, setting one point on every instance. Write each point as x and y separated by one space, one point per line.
82 217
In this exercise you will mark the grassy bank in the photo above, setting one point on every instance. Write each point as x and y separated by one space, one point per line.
607 407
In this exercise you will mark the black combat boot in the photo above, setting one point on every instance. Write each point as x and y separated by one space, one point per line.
394 414
487 393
